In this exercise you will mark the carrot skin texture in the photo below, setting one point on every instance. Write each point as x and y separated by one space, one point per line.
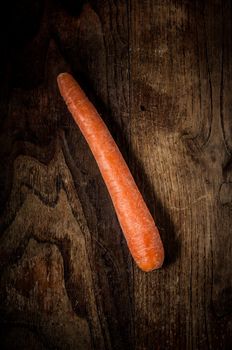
137 224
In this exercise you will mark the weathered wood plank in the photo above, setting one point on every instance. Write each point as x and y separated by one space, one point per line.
50 168
179 139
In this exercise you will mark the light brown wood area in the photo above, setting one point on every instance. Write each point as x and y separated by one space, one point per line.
160 74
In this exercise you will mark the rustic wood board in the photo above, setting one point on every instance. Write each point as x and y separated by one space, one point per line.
160 74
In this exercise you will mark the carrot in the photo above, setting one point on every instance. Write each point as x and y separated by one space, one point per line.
137 224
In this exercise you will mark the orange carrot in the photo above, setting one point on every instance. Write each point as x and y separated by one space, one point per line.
137 224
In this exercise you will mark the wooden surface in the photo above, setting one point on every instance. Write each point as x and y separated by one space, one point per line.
160 74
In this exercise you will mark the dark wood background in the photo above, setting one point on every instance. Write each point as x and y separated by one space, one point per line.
160 74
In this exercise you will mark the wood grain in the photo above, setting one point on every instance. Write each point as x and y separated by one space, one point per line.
160 74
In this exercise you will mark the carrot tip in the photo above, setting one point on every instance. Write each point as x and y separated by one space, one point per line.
149 268
61 75
152 264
